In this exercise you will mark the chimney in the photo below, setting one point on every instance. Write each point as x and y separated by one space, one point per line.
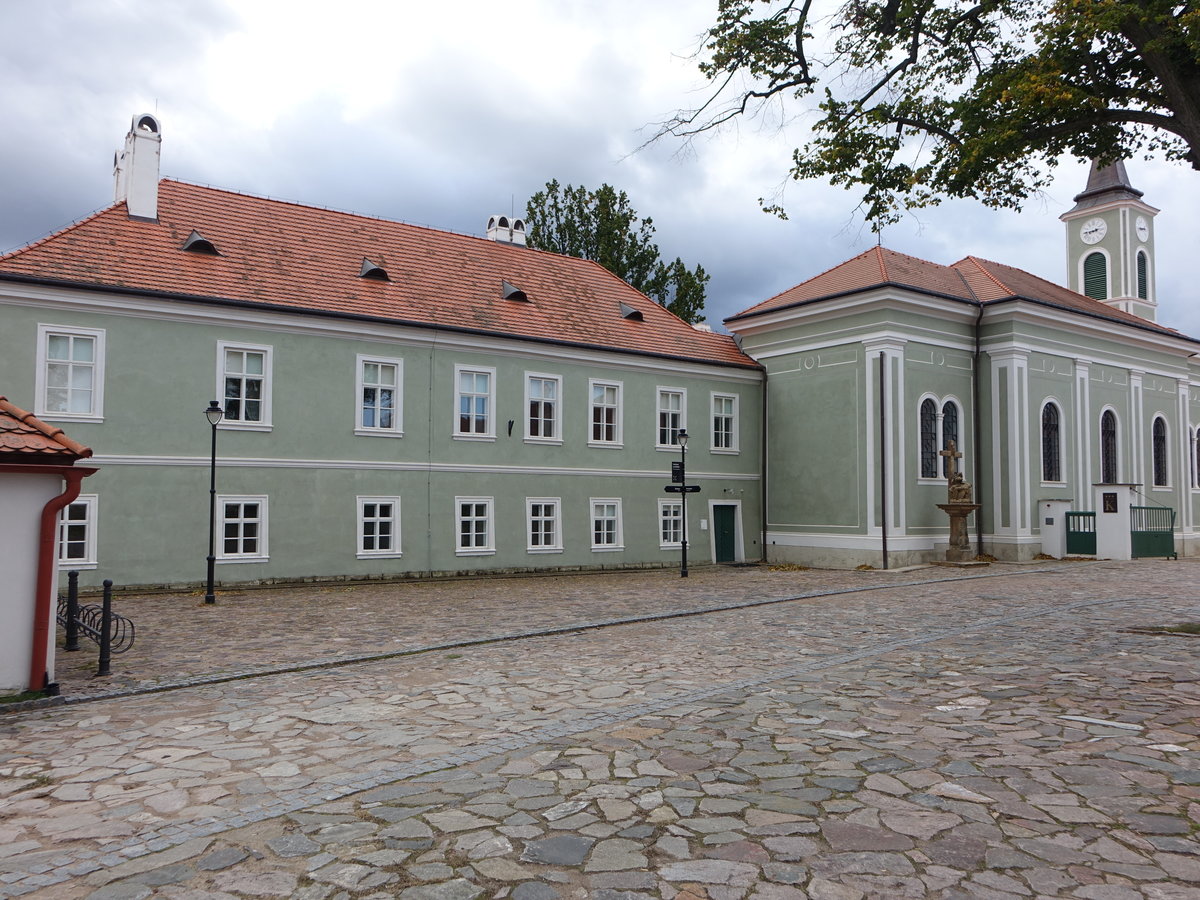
136 168
504 230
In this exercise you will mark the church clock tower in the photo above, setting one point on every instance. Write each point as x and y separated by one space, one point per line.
1110 242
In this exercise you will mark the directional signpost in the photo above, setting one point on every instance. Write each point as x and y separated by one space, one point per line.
680 486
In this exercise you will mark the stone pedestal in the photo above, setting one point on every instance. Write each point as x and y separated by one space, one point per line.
960 543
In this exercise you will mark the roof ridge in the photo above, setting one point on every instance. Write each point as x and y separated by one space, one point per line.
46 430
883 272
979 262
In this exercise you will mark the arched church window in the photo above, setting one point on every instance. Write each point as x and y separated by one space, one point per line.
1095 276
1143 276
1108 447
928 439
1051 444
1158 451
949 433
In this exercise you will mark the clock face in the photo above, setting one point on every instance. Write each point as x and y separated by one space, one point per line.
1142 227
1093 230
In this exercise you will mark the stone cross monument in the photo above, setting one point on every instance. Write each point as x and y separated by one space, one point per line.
958 506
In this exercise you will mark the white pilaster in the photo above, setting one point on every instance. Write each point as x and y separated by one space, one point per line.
1083 430
1138 433
1010 465
890 352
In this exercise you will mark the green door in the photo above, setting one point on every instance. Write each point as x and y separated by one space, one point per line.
724 522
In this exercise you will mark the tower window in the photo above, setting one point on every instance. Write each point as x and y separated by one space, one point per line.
1143 279
1095 276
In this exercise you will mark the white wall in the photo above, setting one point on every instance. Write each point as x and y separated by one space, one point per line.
22 498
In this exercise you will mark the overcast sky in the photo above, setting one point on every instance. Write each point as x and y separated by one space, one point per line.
442 115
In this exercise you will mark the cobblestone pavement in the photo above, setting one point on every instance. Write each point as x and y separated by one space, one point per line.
1002 736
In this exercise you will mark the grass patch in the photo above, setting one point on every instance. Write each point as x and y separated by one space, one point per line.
788 567
22 697
1181 628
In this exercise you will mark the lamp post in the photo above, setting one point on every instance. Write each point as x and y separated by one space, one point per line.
682 439
214 414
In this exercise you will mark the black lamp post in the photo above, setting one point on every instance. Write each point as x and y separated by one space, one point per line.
682 439
214 414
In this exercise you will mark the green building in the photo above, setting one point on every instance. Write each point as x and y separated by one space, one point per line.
399 400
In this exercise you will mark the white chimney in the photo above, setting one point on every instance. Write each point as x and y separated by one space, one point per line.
504 230
136 168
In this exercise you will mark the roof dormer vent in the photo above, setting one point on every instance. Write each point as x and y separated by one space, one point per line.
628 312
198 243
511 292
505 230
372 271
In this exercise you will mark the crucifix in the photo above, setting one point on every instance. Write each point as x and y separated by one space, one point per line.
952 456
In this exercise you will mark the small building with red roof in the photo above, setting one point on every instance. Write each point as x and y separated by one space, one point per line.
39 481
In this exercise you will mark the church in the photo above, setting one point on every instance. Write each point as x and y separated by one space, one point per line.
395 401
873 367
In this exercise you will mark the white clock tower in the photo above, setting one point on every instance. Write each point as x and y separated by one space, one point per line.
1110 242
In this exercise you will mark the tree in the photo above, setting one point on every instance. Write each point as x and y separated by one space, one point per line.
925 99
600 225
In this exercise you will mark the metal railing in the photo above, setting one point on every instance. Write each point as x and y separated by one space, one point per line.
113 632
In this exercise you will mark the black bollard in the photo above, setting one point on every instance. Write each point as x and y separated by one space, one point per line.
106 630
72 641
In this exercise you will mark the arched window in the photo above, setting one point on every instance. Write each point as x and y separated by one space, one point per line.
1194 458
1051 444
1108 447
1095 276
1143 275
1158 450
929 445
949 433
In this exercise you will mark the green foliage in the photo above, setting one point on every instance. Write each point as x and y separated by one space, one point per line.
600 225
917 100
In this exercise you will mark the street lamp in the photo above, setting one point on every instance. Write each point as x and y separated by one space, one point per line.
214 414
682 439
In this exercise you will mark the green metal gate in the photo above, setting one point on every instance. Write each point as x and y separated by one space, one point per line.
1081 532
1152 531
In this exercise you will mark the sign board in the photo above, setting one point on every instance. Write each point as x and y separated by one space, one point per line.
677 472
682 488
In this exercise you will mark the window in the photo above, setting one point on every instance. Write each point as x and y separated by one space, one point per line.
1051 443
724 423
929 441
541 403
77 533
70 373
244 383
378 527
937 429
243 535
473 400
1143 275
1108 447
606 525
544 533
474 526
1095 276
378 396
672 417
1158 452
670 524
606 412
1195 456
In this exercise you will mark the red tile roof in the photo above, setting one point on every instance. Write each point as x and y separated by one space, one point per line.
971 279
27 439
304 258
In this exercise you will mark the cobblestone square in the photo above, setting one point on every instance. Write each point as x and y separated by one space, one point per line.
1004 732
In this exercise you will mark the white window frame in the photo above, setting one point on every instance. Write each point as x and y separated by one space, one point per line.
663 507
1169 484
939 426
659 392
92 504
734 438
1062 443
360 384
556 546
261 555
41 377
618 531
556 380
618 440
264 424
393 552
489 432
489 516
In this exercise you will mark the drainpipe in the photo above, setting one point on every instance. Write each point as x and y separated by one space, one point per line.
978 444
762 483
48 567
